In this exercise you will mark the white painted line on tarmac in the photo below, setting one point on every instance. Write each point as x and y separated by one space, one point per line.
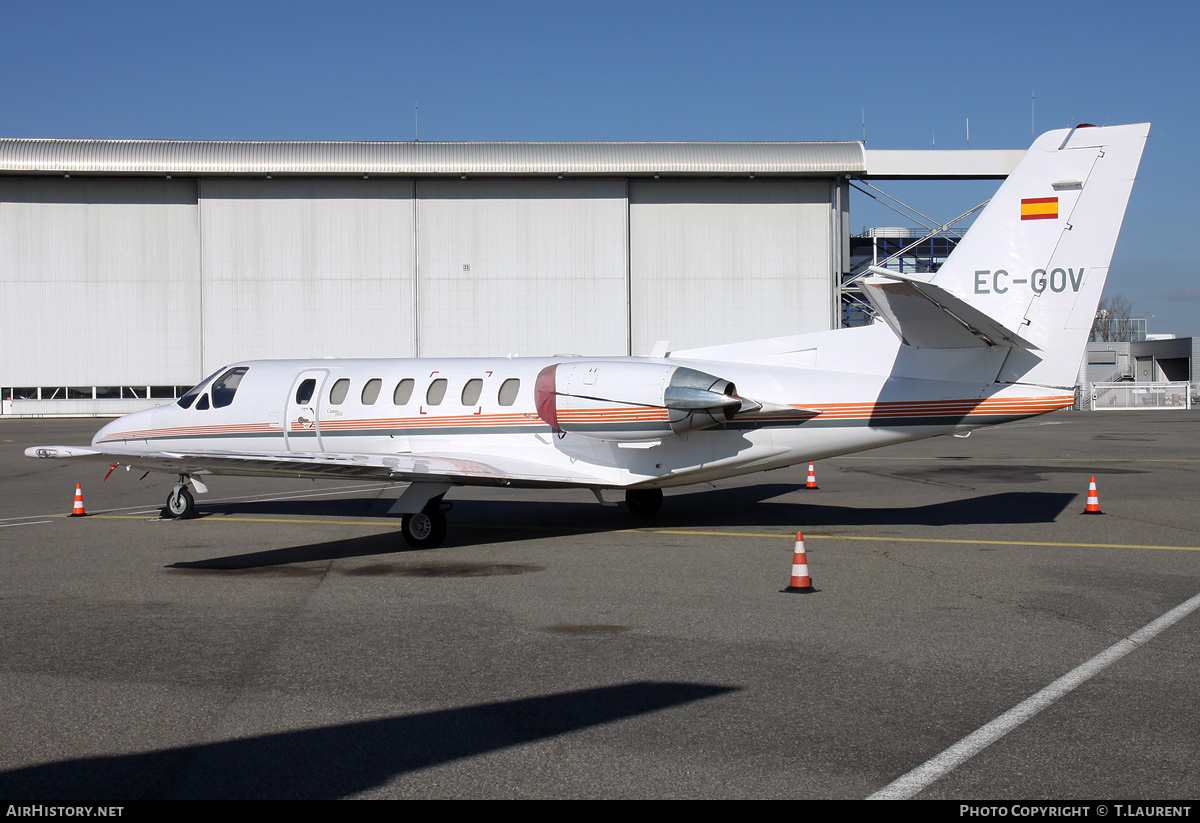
36 522
254 498
909 785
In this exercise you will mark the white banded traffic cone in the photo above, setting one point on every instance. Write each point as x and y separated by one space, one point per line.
812 478
77 510
1093 501
801 582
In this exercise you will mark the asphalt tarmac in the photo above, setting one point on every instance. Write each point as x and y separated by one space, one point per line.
286 643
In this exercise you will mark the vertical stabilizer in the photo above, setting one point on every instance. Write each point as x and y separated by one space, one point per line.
1030 272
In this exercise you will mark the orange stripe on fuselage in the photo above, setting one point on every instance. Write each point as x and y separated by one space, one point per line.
520 420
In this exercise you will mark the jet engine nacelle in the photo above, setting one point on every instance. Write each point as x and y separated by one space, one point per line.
621 400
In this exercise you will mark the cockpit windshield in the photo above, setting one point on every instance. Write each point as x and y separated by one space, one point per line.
223 388
189 398
226 386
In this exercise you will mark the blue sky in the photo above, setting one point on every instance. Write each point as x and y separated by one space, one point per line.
643 71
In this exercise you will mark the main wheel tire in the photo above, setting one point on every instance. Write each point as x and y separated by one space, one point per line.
180 503
644 502
424 529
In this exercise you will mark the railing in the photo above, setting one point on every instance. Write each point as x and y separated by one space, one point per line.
1127 396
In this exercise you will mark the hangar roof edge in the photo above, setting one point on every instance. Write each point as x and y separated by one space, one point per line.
37 156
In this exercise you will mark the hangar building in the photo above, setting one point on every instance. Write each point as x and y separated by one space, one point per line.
130 269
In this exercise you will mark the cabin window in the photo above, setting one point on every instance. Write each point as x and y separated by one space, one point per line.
436 393
203 404
471 391
508 391
226 386
370 392
403 392
304 391
337 395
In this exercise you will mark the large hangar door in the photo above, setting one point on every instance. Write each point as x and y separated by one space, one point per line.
306 268
722 261
521 266
100 282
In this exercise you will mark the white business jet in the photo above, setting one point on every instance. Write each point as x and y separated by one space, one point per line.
997 334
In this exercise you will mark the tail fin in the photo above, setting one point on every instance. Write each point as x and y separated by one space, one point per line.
1030 272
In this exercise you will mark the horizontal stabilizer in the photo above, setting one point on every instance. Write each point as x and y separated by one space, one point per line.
926 316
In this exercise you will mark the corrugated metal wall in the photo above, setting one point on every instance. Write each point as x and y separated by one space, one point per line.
110 281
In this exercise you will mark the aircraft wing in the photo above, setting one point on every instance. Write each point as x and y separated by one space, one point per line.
459 469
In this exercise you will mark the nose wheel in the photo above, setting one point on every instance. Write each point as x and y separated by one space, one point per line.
180 504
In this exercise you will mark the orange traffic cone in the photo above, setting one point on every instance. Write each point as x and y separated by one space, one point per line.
78 511
1093 501
812 478
801 582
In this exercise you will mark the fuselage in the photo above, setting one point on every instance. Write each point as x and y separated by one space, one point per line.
496 407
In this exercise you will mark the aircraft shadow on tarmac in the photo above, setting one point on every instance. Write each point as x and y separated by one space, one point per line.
341 760
473 522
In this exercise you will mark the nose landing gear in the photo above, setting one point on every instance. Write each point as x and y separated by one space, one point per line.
180 503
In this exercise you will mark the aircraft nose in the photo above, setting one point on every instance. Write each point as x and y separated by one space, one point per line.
117 431
106 432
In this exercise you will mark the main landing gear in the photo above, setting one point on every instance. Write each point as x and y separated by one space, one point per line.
426 528
423 524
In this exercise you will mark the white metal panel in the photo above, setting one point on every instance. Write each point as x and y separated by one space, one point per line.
980 164
306 268
716 262
99 280
522 266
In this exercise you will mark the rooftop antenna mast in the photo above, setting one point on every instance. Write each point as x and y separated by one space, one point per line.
864 125
416 124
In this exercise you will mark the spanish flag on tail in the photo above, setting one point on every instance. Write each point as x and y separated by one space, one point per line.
1039 208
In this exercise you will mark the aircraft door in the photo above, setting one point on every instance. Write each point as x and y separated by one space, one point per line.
302 425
